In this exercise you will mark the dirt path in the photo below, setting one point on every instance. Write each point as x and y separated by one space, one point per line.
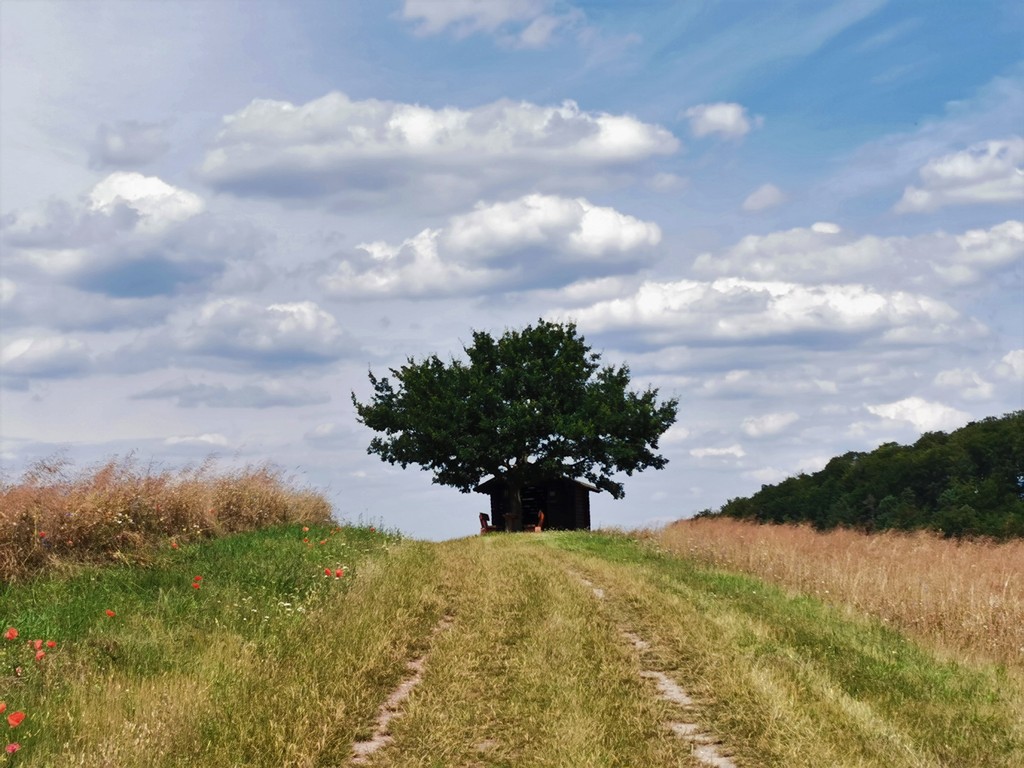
706 748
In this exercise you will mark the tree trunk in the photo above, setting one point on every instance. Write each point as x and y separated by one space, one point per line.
513 507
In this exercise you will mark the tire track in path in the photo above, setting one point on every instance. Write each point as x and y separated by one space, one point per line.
392 706
705 747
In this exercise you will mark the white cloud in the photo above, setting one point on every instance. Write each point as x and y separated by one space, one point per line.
984 173
519 23
45 356
925 416
157 203
496 244
764 197
726 119
966 383
736 310
733 451
128 143
1011 366
575 226
8 290
769 424
666 182
210 438
335 145
823 251
277 334
272 394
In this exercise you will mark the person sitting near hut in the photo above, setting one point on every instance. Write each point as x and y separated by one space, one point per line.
485 524
540 521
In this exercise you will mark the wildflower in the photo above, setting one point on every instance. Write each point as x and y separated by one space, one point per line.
14 719
110 613
10 634
40 655
305 529
322 542
42 534
339 573
13 747
197 578
195 585
37 644
3 707
51 643
327 571
174 545
306 541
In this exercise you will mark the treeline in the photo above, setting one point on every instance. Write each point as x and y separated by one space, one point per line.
966 483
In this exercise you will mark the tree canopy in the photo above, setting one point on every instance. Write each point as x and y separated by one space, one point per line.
966 483
532 405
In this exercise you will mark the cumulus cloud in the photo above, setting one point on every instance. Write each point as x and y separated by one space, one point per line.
733 310
764 197
131 236
8 290
209 438
984 173
823 251
296 333
965 383
733 451
522 23
725 119
157 204
769 424
45 357
365 150
924 415
1011 366
188 394
504 243
128 144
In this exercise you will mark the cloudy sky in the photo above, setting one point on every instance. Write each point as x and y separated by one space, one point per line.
803 219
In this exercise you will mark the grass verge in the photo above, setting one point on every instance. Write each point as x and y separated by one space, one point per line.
268 662
791 681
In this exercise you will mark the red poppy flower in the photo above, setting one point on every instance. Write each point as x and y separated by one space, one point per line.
306 541
305 528
195 585
3 707
110 613
13 747
37 644
339 573
10 634
327 571
14 719
40 655
51 643
42 534
174 545
197 578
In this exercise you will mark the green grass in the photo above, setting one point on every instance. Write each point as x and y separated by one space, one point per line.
271 663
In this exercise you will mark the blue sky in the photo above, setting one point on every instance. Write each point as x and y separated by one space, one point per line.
803 219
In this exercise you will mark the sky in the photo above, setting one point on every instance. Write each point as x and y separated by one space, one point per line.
804 220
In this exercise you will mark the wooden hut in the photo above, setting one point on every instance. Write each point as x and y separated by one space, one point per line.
565 503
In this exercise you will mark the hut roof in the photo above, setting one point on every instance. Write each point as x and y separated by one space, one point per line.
495 482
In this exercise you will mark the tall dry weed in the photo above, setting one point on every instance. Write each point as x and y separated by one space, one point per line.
116 511
964 596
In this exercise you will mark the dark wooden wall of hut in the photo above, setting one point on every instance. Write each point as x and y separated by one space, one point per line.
566 504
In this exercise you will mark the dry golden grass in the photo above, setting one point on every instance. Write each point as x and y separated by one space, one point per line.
964 597
54 514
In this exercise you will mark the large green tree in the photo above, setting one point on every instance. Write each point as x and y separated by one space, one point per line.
532 405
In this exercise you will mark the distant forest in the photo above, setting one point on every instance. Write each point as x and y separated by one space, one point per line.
966 483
